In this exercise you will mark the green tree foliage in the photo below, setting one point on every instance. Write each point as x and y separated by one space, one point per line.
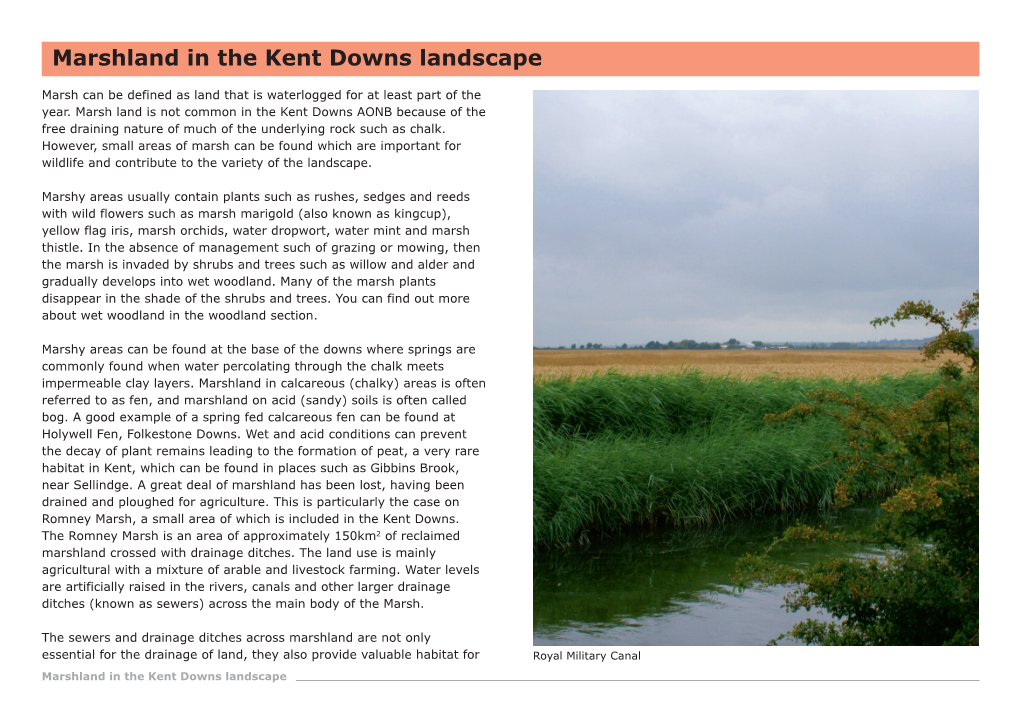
685 344
924 457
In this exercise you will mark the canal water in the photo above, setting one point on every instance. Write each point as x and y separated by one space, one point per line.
674 587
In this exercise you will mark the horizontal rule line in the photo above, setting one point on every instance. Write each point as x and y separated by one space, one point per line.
642 680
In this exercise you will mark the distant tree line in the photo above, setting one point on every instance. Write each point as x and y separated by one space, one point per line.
734 344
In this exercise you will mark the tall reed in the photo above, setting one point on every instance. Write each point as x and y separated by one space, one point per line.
613 450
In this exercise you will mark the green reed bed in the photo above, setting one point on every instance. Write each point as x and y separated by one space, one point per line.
612 450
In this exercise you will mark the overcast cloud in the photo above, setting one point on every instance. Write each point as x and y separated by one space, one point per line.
767 216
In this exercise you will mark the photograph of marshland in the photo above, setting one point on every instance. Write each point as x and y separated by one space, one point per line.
727 449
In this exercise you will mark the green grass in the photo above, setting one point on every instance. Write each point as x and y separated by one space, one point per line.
612 450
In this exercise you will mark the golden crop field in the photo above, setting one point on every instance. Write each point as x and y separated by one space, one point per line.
747 364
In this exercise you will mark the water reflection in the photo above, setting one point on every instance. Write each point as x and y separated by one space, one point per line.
673 588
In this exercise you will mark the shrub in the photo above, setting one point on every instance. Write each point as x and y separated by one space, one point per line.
925 590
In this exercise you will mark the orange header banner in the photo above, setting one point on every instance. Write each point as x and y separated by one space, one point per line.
508 59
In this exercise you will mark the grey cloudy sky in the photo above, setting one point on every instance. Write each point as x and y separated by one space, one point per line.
768 216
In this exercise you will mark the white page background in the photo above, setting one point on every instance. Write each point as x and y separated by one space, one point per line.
492 614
